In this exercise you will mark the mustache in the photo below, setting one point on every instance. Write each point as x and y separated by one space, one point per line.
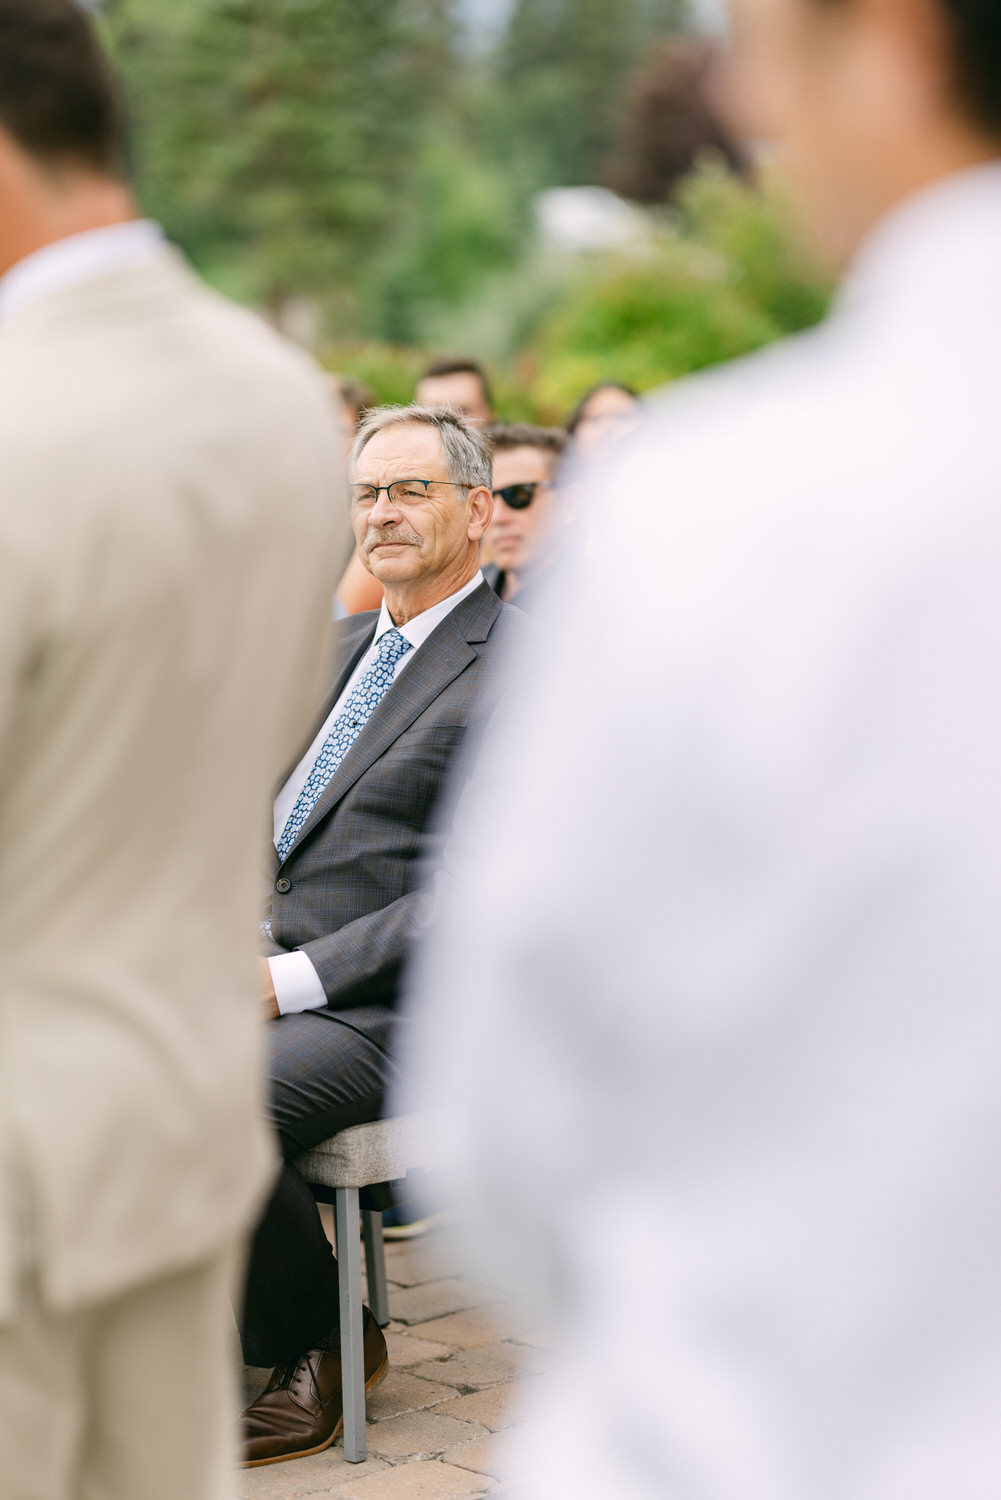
402 534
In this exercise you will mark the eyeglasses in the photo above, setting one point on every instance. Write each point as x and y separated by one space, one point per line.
520 496
399 492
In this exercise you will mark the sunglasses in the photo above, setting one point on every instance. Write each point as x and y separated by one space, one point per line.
520 496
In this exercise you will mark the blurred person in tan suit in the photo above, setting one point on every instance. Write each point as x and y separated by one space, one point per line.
718 1012
168 499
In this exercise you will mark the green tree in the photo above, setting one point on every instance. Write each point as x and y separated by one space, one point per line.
276 138
561 69
464 222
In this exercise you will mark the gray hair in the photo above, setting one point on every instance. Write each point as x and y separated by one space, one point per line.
466 450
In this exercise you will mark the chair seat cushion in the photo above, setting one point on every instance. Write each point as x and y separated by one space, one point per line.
365 1154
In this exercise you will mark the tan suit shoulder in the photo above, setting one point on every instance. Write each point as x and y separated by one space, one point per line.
174 499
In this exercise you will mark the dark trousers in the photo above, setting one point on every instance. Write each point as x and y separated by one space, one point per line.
327 1072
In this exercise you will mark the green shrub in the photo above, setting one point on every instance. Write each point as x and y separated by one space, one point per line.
720 280
389 370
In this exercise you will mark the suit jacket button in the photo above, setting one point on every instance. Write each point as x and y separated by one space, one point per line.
283 885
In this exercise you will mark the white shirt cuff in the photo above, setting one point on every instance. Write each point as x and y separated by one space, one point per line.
297 984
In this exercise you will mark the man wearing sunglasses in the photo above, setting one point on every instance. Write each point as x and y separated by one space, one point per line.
524 533
354 832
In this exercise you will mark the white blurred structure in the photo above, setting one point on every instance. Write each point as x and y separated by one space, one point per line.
709 16
714 1003
578 219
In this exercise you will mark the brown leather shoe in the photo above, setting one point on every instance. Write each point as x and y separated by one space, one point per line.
300 1410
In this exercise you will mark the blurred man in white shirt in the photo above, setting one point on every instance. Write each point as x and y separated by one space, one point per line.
725 991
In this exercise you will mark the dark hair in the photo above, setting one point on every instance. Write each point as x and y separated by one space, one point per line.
976 38
439 367
353 392
976 30
507 435
58 100
575 417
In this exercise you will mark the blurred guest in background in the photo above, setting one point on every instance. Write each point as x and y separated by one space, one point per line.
168 465
357 590
356 398
461 384
354 827
523 536
605 412
734 949
352 398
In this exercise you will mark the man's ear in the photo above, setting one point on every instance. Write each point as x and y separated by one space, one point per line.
481 509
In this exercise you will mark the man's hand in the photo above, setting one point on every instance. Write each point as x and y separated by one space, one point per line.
268 997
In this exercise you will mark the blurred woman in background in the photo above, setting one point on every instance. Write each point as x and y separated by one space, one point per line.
606 411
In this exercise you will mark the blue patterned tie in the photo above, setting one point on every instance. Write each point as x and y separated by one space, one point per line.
365 697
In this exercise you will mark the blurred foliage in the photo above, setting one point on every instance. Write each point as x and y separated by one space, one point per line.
276 138
389 370
362 162
561 72
719 277
463 223
392 371
721 280
361 155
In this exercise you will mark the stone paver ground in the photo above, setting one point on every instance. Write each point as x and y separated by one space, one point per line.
458 1361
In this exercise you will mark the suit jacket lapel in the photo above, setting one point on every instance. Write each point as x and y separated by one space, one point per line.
447 652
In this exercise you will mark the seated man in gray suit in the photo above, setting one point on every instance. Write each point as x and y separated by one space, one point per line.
353 835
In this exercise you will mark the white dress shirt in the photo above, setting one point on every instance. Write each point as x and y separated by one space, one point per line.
718 1019
77 258
297 984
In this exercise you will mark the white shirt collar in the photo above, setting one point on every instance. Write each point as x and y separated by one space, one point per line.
417 630
78 257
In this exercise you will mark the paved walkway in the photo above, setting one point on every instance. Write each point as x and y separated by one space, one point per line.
458 1359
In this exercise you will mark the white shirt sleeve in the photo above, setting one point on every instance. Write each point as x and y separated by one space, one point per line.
297 984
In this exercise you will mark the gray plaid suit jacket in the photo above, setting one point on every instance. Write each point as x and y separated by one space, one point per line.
351 891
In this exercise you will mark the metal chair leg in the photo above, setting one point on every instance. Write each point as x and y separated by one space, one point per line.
352 1332
375 1265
